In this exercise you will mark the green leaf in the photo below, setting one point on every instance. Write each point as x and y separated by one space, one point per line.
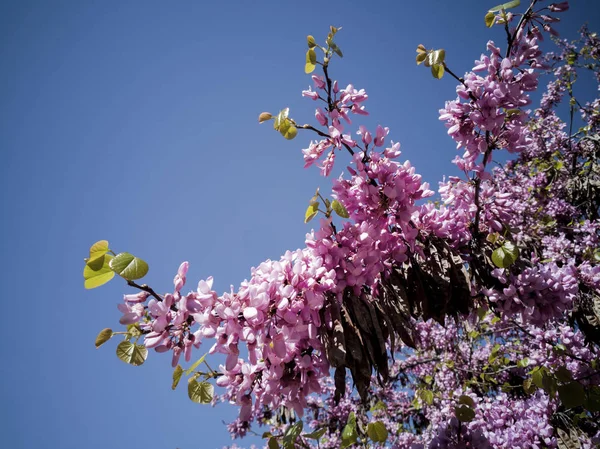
291 434
426 396
311 61
505 6
311 211
281 118
572 394
200 392
490 18
592 401
128 266
438 56
466 400
134 330
103 337
317 434
290 132
506 255
523 363
339 209
97 252
132 353
464 413
421 57
264 116
437 70
380 405
377 432
421 49
177 376
311 41
96 278
191 369
563 374
337 50
273 443
349 433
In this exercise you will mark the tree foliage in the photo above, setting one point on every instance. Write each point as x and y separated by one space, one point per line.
472 321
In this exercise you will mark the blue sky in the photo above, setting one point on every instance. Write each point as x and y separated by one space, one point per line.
136 122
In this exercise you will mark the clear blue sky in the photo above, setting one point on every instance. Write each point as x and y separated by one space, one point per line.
136 122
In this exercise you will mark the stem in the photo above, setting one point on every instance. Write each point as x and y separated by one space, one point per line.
145 288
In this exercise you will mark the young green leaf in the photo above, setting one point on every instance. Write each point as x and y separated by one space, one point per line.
377 432
437 70
311 61
505 6
311 211
490 18
281 118
311 41
290 132
177 376
339 209
97 252
191 369
200 392
128 266
103 337
96 278
273 443
132 353
421 57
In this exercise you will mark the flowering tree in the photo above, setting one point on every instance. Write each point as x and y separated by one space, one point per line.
471 321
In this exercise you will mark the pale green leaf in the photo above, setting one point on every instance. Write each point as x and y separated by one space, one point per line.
177 376
97 252
490 18
339 209
128 266
103 337
200 392
505 6
191 369
311 211
96 278
437 70
311 41
132 353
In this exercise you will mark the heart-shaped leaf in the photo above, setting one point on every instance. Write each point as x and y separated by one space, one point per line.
200 392
128 266
96 278
132 353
